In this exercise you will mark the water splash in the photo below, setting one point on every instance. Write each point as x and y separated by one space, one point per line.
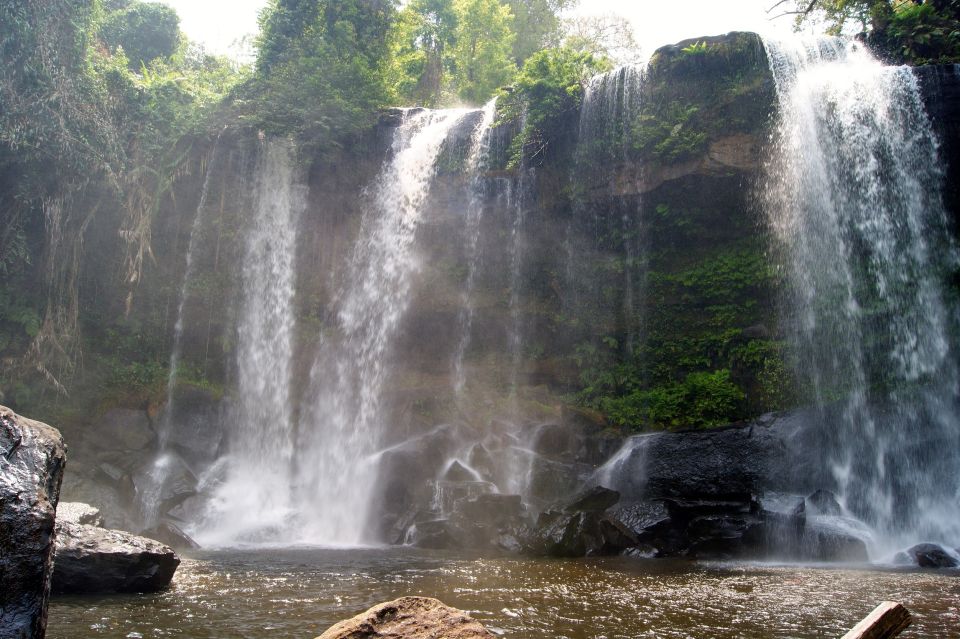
343 425
253 503
855 202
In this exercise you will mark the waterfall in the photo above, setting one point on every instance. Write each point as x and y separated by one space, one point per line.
854 201
342 422
253 502
477 163
610 110
149 499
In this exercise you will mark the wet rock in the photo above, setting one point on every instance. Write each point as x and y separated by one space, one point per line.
79 513
119 481
409 618
32 458
823 502
643 516
195 425
96 560
434 534
931 556
594 500
552 480
458 472
581 534
166 532
177 485
124 429
709 464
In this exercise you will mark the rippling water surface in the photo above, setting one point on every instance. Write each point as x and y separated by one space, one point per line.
298 593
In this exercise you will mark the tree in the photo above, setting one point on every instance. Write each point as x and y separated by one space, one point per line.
538 25
320 67
482 54
911 31
144 30
605 36
422 39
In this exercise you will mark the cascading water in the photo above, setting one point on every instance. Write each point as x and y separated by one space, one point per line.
854 200
253 501
608 114
149 498
477 162
342 424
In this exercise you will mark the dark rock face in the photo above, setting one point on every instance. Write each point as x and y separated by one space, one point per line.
596 500
32 458
931 556
580 534
940 87
95 560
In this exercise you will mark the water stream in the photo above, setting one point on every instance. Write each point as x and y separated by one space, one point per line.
253 501
854 203
342 423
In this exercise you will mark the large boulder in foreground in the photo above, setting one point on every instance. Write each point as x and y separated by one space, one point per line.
409 618
32 458
90 559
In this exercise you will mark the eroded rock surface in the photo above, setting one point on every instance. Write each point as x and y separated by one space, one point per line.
409 618
32 458
89 559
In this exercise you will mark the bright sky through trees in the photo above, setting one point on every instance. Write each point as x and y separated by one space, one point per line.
219 23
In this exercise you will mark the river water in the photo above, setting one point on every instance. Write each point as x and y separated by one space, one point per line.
299 593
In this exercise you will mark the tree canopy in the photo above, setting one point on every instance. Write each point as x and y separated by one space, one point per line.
910 31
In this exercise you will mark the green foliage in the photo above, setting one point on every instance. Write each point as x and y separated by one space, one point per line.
450 50
697 48
908 31
319 68
484 38
144 30
701 400
669 136
538 25
547 90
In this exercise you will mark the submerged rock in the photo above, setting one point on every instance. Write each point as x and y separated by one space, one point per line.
89 559
409 618
32 458
931 556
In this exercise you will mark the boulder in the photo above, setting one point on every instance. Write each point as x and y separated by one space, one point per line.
166 532
124 429
32 458
194 424
96 560
166 482
581 534
73 512
822 502
409 618
931 556
595 500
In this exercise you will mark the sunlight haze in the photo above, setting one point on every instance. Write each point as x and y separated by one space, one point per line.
221 24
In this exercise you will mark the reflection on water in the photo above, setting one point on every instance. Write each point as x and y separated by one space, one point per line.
298 593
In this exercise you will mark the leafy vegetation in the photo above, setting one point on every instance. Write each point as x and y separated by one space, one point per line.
546 93
907 31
